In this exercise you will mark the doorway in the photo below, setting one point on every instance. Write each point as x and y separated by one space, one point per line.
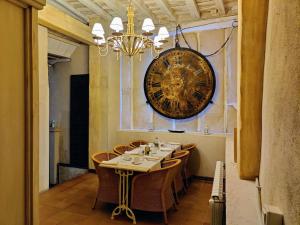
79 121
68 109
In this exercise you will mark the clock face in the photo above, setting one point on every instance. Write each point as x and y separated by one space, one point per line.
180 83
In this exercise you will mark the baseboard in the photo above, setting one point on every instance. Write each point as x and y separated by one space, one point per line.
207 179
92 171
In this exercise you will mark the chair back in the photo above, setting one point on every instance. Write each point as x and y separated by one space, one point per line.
99 157
147 188
183 155
179 181
121 149
189 147
190 169
137 143
173 166
108 179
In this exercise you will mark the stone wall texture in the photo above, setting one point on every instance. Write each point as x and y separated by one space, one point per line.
280 162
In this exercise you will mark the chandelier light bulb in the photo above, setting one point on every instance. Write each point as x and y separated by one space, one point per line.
148 25
116 24
163 33
100 41
98 30
157 42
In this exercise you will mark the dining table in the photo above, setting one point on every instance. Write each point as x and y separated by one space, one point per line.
127 164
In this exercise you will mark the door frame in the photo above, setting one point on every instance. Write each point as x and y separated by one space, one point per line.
31 100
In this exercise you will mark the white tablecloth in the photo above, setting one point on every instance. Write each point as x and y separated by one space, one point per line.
146 163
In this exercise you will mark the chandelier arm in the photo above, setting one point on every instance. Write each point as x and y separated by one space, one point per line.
105 50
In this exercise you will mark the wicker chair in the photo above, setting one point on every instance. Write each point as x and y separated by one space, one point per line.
188 147
137 143
180 178
153 191
121 149
191 148
108 180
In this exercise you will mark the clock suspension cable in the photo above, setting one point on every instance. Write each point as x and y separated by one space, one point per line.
178 28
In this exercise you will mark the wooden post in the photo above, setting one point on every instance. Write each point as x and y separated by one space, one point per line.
251 57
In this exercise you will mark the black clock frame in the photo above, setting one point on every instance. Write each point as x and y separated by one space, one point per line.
210 97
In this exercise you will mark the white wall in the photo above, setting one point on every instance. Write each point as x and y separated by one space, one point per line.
43 109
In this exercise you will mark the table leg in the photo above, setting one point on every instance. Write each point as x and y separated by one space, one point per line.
123 195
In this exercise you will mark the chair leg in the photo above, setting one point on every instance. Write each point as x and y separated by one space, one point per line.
184 188
95 203
175 207
186 179
165 217
175 194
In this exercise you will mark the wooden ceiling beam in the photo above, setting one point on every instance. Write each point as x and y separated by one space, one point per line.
61 22
209 24
193 8
220 7
143 9
68 8
116 6
165 7
96 9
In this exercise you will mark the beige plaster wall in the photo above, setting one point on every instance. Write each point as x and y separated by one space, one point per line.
59 76
43 109
280 161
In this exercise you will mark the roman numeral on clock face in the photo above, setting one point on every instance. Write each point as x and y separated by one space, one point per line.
158 95
155 84
179 60
198 72
201 83
166 104
176 105
166 63
198 95
156 73
190 105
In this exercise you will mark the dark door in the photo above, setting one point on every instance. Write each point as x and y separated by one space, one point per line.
79 121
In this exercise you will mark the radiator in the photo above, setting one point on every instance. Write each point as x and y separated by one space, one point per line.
217 200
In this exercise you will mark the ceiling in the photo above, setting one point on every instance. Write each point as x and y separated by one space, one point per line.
166 12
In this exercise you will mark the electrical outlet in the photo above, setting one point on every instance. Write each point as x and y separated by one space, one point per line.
272 215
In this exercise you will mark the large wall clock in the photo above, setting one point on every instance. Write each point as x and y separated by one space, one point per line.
180 83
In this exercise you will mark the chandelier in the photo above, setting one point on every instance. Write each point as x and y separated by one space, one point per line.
129 43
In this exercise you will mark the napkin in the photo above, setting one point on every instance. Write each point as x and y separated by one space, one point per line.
154 158
173 143
134 151
165 149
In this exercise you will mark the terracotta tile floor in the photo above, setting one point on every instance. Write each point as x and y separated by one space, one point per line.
70 204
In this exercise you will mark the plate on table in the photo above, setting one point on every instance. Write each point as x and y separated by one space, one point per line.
126 157
151 158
